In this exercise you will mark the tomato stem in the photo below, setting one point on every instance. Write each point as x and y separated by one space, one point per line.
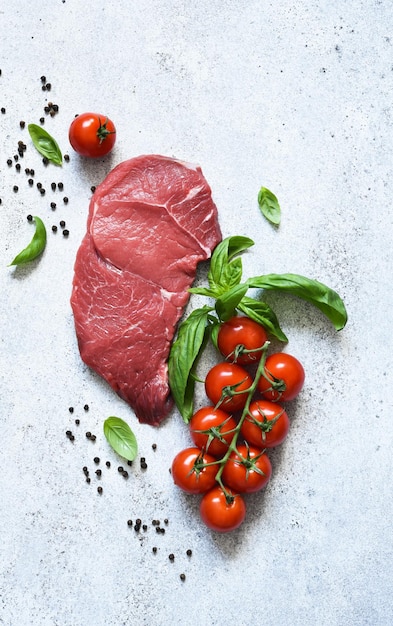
102 131
250 392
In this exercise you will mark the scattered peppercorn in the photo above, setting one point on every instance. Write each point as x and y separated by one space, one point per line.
98 472
99 489
39 185
129 522
31 182
15 188
54 228
71 409
43 79
17 167
85 470
29 218
22 124
66 158
189 552
108 463
65 200
77 422
88 479
171 557
62 223
53 186
154 446
93 437
9 162
129 462
86 407
45 160
143 465
42 191
88 434
93 188
53 205
154 550
32 172
182 577
42 120
120 469
60 186
48 86
125 474
96 459
2 109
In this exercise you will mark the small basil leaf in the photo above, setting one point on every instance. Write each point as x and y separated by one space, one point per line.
202 291
45 144
325 299
260 312
269 206
226 270
186 349
36 245
227 303
121 438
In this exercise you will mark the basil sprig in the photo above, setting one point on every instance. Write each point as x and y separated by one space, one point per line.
269 206
45 144
224 278
121 438
36 245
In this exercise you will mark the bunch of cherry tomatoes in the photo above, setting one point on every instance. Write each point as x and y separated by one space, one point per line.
245 418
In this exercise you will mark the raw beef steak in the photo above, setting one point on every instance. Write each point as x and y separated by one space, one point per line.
150 222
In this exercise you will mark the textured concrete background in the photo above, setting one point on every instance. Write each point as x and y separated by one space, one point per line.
293 96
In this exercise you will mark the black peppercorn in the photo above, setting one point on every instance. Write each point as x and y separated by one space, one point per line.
54 228
42 120
53 205
65 200
22 124
45 161
182 577
9 162
99 489
31 182
88 434
120 469
96 459
171 557
71 409
86 407
189 552
62 223
66 158
98 472
125 474
154 550
29 218
60 186
108 463
93 437
15 188
129 522
17 167
77 422
53 185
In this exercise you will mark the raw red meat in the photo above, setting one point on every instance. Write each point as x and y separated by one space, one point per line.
150 222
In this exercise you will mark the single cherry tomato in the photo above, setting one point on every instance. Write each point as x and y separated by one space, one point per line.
247 470
237 336
191 473
285 377
266 425
224 384
212 430
222 512
92 135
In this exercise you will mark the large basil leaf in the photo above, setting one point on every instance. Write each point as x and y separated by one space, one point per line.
120 437
36 245
225 270
45 144
191 337
260 312
227 303
318 294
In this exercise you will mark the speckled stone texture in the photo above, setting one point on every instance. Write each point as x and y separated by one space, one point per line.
293 96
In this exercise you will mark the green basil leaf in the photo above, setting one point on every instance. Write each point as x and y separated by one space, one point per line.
269 206
202 291
225 270
318 294
121 438
45 144
186 349
260 312
36 245
227 303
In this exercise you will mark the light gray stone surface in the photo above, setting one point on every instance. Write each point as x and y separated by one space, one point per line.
293 96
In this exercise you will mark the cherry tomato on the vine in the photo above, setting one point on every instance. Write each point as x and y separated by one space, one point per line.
266 425
285 377
222 512
212 429
92 135
191 473
239 334
226 381
247 470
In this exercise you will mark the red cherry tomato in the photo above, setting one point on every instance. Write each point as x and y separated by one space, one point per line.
239 334
286 377
228 379
92 135
212 430
190 472
266 425
222 513
247 470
